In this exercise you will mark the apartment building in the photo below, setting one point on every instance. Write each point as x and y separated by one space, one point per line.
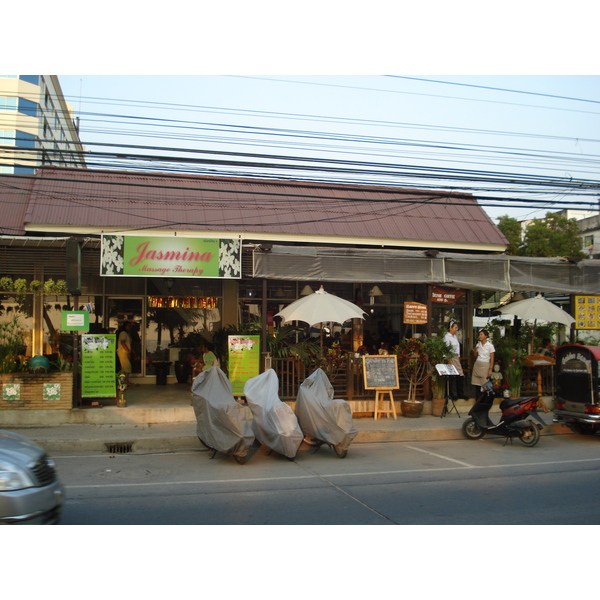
36 125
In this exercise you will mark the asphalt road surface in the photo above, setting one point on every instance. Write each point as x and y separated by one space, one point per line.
398 483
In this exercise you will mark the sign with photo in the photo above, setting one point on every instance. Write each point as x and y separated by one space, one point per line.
587 312
98 365
143 256
244 360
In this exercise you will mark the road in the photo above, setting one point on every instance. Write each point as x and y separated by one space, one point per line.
398 483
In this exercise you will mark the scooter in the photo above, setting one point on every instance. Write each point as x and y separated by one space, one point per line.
514 422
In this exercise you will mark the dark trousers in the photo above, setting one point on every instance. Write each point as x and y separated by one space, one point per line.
457 387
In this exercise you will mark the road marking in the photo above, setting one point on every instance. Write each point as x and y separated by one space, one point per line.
325 475
460 462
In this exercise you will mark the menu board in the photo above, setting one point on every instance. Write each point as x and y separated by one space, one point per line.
415 313
380 372
244 360
98 365
587 312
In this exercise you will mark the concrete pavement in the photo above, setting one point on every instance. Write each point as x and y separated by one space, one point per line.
161 418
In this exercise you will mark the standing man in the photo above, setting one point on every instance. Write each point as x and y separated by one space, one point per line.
457 384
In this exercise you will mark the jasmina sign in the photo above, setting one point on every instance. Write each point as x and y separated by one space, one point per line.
137 256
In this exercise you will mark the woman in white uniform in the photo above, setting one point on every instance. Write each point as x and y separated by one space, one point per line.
484 364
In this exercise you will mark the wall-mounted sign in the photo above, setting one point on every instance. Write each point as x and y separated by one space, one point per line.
139 256
446 296
75 320
587 312
415 313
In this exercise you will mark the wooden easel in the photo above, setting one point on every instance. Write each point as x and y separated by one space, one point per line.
379 400
380 373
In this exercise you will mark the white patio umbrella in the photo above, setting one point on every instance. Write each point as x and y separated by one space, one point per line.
321 307
538 309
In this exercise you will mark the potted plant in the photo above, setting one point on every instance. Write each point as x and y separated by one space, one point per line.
413 365
438 352
513 372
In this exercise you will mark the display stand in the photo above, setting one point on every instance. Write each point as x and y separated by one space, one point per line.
447 371
379 400
381 374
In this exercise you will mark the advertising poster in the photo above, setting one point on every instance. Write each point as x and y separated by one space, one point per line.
587 312
98 370
244 360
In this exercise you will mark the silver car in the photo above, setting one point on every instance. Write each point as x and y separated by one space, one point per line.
30 492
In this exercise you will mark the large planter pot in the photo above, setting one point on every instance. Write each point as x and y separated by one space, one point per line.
411 408
183 370
437 406
41 391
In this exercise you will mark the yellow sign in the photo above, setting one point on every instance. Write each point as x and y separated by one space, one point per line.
587 312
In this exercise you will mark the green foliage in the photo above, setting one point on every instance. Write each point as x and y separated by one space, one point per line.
11 343
511 228
438 352
554 235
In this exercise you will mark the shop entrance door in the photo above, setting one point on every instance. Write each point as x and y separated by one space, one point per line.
119 310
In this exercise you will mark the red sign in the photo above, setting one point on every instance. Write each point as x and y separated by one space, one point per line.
444 296
415 313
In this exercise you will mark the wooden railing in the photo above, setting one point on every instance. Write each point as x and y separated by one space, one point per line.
347 381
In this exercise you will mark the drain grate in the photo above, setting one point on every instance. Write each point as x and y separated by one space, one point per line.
119 447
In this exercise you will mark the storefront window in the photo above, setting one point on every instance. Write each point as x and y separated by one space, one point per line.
56 342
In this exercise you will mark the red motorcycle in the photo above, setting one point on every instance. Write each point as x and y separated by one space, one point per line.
514 421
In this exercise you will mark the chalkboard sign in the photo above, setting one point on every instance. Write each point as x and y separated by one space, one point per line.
380 372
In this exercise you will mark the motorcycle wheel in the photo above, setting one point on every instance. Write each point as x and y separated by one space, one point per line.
205 445
471 430
341 453
530 436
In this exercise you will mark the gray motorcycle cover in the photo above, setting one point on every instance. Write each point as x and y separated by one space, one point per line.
221 421
275 424
322 417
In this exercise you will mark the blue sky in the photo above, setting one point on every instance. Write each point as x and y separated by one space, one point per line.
323 62
421 120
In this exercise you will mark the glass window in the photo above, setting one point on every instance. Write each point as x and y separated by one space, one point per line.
7 138
27 107
8 103
35 79
25 140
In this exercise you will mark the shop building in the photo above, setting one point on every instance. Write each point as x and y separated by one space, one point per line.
382 248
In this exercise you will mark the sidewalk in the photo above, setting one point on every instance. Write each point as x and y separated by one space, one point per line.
162 419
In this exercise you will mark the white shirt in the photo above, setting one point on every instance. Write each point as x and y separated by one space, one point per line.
484 351
452 341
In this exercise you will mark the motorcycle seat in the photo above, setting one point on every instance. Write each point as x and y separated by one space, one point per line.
509 402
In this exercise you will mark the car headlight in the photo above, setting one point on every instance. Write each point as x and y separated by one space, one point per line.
13 477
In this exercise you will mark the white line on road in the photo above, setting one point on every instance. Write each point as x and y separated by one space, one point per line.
460 462
325 475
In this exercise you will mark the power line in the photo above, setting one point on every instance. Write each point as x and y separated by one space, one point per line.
496 89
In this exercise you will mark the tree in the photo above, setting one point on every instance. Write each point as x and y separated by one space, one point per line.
555 235
511 228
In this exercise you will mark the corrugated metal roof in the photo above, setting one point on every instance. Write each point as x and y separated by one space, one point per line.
63 198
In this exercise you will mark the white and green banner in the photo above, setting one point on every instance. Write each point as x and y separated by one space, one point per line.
143 256
244 360
98 365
